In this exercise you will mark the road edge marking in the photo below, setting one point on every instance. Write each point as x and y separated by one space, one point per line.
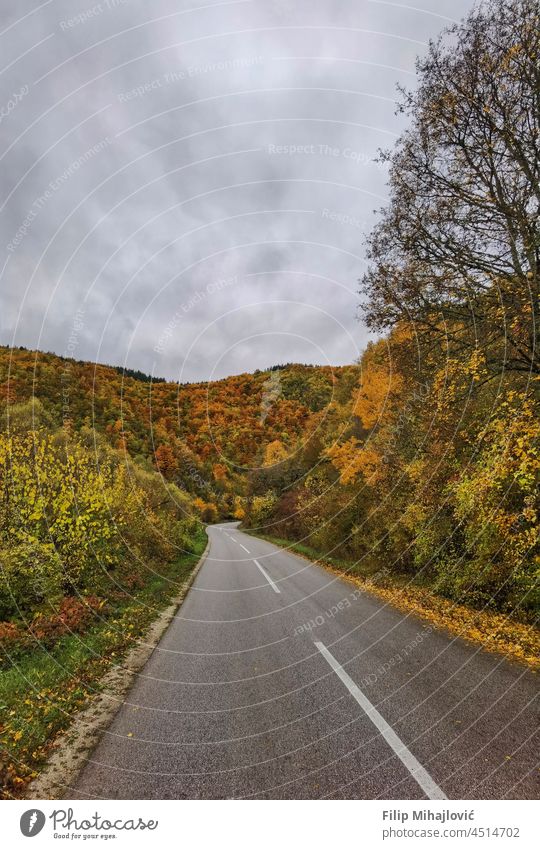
415 768
267 576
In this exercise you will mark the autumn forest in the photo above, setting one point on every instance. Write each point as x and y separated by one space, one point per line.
417 465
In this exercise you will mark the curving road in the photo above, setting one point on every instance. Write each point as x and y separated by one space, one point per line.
278 680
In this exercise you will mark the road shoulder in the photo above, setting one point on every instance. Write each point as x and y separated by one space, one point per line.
494 632
72 748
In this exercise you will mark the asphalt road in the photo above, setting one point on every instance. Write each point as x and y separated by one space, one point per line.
278 680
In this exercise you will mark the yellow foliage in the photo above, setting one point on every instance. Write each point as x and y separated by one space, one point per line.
207 509
219 471
239 509
69 514
374 394
55 491
352 459
275 452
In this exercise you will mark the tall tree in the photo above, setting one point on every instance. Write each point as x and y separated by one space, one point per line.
457 249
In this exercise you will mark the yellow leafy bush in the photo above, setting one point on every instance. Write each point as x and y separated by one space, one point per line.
497 502
29 573
69 515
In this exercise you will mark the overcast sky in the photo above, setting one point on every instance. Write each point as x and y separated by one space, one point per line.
186 186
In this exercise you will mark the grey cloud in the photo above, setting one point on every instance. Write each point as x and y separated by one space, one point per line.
155 150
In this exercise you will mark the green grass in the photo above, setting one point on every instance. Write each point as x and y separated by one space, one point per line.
41 689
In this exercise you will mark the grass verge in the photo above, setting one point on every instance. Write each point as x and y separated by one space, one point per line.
493 631
42 689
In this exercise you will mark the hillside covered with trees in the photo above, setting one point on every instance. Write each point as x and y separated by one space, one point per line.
420 463
430 465
409 463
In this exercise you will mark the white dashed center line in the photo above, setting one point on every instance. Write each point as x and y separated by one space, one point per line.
420 775
267 576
